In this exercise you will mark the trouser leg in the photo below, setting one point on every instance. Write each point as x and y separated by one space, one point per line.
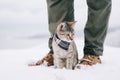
59 11
96 26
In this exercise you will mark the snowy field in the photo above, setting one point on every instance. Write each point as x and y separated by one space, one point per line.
13 66
24 37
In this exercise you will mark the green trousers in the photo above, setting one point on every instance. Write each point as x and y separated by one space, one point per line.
96 26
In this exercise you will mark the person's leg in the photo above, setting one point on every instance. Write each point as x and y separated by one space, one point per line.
96 26
58 11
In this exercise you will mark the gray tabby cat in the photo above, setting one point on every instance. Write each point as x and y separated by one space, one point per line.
65 51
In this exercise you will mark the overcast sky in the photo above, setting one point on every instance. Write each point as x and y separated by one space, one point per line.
21 18
34 12
21 12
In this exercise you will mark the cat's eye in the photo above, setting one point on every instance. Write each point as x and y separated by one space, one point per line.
68 35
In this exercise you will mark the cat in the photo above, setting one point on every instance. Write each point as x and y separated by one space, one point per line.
64 47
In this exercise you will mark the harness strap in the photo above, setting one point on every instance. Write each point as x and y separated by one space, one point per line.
62 44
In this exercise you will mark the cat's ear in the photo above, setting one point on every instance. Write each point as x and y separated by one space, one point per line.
71 23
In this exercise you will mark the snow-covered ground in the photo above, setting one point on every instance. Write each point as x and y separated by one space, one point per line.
13 65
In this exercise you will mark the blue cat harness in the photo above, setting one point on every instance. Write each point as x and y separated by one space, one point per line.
61 43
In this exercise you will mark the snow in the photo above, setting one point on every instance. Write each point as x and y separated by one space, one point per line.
14 65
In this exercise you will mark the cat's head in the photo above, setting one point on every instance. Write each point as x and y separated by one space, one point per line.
65 30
